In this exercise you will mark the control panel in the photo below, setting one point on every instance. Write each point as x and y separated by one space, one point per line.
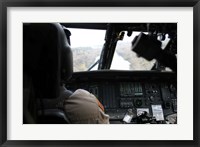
148 97
139 96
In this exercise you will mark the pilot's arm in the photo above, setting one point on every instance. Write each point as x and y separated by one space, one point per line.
83 107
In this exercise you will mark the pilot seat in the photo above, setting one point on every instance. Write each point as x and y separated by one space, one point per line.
47 64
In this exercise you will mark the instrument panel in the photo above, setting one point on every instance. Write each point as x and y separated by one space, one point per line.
157 97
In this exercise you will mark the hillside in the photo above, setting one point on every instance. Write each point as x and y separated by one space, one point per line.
84 57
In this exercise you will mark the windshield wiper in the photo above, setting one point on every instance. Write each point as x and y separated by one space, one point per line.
93 65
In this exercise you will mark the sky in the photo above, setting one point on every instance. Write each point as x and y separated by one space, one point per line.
90 38
86 37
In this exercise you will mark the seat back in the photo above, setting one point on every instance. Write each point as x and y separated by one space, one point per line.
47 63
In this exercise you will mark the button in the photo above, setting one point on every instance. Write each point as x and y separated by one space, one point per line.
151 98
138 102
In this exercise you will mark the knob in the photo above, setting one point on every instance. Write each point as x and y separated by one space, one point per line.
151 98
138 102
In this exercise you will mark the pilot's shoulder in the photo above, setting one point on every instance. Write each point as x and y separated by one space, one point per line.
83 94
81 91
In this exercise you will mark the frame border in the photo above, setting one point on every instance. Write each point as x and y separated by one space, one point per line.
97 3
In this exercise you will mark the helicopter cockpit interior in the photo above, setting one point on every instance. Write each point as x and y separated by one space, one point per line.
132 70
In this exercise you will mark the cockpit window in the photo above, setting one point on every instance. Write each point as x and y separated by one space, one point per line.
86 46
125 59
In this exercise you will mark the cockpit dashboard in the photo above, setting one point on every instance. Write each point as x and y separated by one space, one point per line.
151 96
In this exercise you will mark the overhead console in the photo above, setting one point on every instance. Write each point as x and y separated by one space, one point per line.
132 96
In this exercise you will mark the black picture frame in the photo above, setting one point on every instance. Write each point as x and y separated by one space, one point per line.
4 4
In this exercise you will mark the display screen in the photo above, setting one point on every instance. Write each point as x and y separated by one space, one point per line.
130 89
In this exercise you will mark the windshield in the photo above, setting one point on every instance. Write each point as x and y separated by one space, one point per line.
125 59
86 46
